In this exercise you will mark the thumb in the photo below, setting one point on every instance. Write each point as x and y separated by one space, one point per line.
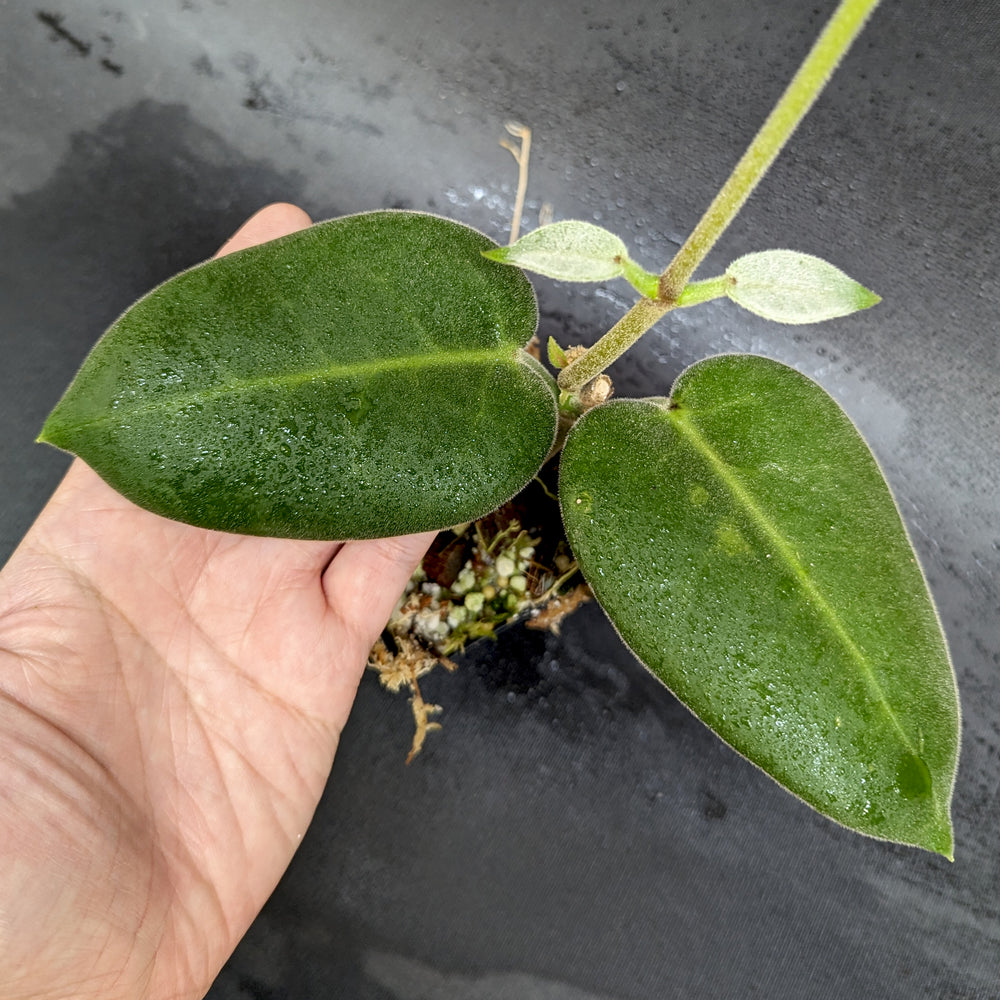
269 223
364 581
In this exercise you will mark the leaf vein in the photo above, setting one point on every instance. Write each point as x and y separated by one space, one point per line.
787 553
326 373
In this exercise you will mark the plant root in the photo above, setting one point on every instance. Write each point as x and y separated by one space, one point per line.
475 578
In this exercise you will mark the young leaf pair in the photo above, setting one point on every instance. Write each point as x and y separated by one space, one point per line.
368 376
780 285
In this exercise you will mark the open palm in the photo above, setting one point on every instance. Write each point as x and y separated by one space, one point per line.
170 704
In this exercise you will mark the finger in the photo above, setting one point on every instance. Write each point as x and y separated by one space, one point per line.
269 223
364 580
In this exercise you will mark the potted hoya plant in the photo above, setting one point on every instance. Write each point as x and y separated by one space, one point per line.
374 375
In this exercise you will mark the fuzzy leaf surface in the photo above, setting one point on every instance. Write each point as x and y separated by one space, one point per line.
791 287
742 539
567 251
361 377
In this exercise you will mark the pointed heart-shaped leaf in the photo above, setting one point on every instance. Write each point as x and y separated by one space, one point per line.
742 539
362 377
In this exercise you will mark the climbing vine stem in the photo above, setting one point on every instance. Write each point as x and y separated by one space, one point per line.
807 84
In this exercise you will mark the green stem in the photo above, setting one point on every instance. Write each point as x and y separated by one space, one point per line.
696 292
613 344
643 281
807 84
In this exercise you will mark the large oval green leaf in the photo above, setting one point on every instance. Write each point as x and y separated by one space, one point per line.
362 377
742 539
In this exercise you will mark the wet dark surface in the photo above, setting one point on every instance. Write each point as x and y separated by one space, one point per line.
573 833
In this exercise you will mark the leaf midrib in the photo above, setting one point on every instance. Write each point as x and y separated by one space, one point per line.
325 373
786 552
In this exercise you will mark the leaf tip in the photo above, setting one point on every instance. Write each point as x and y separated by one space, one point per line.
499 254
948 853
944 841
46 435
938 836
866 298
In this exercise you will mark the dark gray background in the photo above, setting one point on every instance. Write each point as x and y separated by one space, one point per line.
573 833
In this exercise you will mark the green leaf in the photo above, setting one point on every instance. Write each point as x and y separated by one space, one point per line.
557 356
743 540
567 251
576 251
362 377
791 287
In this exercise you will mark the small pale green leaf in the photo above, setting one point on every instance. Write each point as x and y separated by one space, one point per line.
743 540
557 356
791 287
362 377
567 251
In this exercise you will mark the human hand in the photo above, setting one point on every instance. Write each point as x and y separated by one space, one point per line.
171 699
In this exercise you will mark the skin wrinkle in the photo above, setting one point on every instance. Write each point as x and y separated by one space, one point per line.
244 767
90 794
197 899
148 894
121 794
182 850
110 613
65 736
49 776
235 924
190 610
184 853
232 664
180 853
198 710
